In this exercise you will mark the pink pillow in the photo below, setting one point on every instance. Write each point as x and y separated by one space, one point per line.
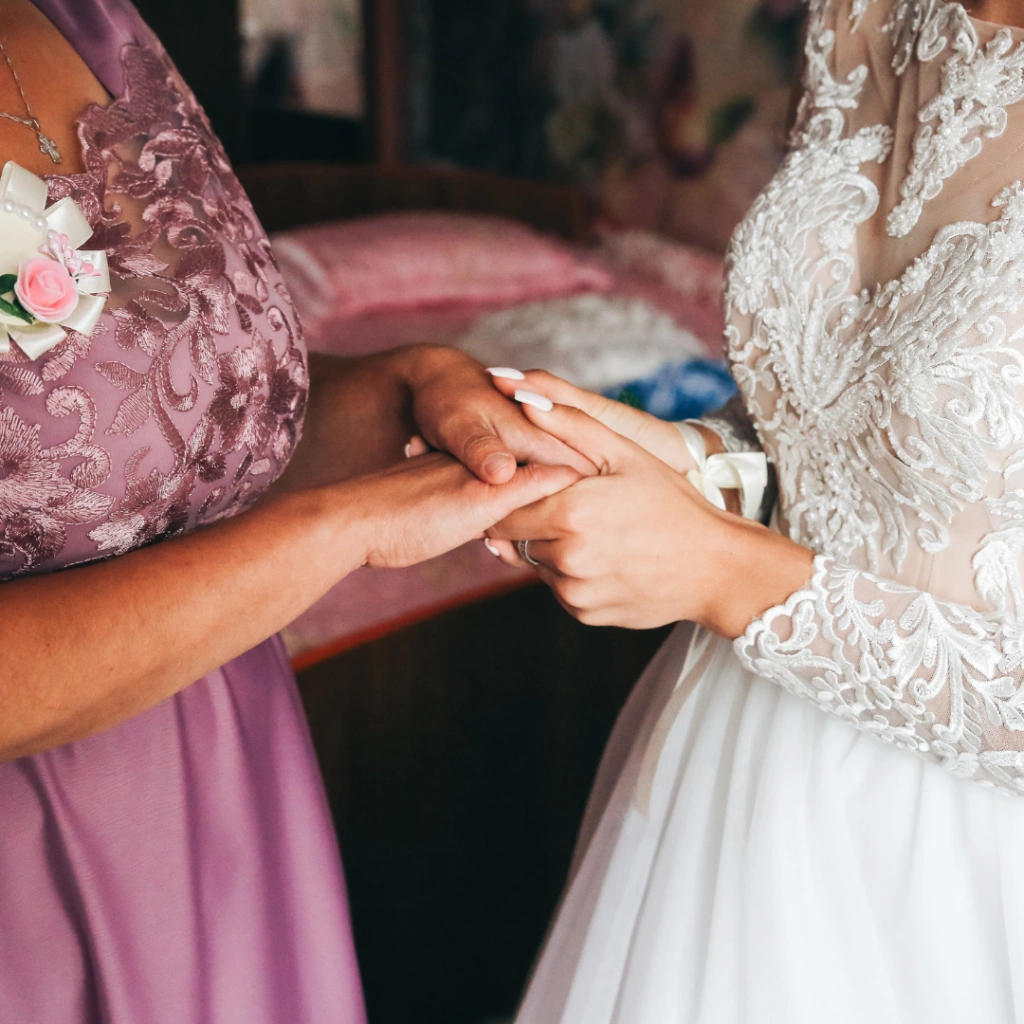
407 260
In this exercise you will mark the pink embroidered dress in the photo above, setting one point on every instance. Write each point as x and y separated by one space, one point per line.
180 867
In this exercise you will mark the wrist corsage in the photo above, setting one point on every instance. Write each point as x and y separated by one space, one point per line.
48 285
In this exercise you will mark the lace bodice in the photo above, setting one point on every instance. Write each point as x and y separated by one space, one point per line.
188 399
875 302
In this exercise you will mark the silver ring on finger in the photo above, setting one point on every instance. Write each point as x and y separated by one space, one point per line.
523 547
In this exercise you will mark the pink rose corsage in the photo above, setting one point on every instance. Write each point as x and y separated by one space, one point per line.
48 285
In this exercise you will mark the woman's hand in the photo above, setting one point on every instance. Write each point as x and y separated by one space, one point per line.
456 409
637 546
432 504
363 412
656 436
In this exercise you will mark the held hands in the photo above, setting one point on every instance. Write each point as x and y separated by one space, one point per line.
637 546
617 549
661 439
623 538
432 504
457 409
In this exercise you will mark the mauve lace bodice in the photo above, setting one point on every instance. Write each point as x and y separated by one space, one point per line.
187 402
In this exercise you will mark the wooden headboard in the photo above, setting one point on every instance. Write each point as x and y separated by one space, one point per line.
288 195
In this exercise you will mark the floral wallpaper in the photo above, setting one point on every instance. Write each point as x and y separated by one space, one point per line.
672 112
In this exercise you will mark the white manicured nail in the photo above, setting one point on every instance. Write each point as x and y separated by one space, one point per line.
490 547
537 401
506 372
408 450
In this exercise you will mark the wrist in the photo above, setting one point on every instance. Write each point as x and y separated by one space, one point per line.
414 365
759 570
339 519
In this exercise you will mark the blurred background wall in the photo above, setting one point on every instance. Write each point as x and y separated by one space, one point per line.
671 113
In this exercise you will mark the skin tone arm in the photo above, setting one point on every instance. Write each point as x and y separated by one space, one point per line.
188 605
90 647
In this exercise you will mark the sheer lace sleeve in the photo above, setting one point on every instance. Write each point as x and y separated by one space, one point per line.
941 679
875 325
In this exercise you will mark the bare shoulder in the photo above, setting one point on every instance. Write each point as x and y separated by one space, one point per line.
57 87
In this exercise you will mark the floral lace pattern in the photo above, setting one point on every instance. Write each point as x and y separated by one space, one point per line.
978 83
894 414
941 680
191 393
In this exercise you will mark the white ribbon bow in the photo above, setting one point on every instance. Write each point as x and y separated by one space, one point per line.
26 227
746 472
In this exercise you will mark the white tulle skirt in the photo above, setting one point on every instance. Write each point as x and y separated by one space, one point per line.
748 859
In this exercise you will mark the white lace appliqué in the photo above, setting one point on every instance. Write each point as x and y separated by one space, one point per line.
884 406
978 83
938 679
893 414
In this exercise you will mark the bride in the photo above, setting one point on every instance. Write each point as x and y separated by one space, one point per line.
752 852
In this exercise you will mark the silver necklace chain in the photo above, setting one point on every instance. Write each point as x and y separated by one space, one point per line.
46 144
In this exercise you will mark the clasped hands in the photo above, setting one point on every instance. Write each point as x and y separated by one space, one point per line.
632 543
622 537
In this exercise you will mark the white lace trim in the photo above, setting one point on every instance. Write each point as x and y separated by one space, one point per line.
939 679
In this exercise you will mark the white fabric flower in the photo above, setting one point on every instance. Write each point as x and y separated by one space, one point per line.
30 235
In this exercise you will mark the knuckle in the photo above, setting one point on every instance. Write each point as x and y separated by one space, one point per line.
573 518
540 376
573 561
476 442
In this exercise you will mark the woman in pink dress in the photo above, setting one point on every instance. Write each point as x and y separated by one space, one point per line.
166 852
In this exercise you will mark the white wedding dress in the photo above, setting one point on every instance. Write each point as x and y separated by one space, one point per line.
754 852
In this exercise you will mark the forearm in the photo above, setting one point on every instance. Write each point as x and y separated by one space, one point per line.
90 647
359 420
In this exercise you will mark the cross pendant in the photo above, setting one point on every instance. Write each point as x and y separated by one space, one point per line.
49 147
